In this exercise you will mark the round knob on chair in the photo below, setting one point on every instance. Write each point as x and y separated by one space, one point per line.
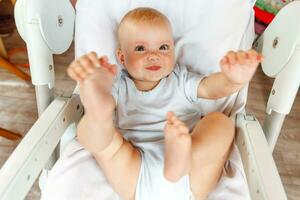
280 39
55 18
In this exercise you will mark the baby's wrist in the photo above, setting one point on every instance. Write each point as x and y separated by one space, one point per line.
234 82
237 84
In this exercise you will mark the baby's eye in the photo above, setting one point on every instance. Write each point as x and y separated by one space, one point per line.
164 47
139 48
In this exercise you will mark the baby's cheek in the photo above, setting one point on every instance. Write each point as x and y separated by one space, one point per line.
170 61
134 65
135 60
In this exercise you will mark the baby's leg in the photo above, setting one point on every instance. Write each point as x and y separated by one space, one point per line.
211 144
118 159
177 148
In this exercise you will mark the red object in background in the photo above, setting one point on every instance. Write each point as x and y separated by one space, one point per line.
263 16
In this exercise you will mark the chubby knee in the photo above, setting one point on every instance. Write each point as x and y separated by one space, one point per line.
213 136
217 116
222 124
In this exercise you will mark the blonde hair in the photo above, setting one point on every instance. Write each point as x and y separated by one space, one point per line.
142 15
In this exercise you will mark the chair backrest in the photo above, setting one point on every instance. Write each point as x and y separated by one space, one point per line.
203 31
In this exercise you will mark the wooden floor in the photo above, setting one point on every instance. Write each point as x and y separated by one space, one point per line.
18 112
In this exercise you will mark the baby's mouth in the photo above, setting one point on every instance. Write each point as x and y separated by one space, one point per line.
153 68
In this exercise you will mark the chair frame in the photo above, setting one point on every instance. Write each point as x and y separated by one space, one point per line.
32 154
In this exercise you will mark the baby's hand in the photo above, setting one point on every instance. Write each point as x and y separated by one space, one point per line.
81 68
239 67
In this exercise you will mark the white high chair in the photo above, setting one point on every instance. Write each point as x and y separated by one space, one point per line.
47 27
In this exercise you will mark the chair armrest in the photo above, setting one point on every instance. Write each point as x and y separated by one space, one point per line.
261 172
26 162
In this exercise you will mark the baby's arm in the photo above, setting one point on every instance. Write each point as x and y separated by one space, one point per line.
237 69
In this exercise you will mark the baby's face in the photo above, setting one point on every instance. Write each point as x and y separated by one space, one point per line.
147 52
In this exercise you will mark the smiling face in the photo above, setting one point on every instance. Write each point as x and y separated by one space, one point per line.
147 52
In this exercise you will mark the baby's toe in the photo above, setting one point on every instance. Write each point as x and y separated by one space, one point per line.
183 129
177 122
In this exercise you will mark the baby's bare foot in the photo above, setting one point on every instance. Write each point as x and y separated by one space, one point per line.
177 148
96 129
95 93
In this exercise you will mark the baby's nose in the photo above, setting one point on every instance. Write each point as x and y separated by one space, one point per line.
153 56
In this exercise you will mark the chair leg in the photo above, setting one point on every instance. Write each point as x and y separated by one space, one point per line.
9 135
10 67
3 52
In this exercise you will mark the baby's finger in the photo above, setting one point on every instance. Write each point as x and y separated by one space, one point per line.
170 115
176 121
252 55
71 73
105 64
110 67
94 59
241 57
260 57
172 119
74 75
224 61
79 70
256 58
183 128
231 57
103 61
86 64
113 69
72 70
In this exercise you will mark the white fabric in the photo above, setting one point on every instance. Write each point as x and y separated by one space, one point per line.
77 176
204 31
152 184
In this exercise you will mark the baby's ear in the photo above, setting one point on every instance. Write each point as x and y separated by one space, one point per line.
120 56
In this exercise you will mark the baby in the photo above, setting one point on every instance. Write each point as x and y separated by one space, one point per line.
155 146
